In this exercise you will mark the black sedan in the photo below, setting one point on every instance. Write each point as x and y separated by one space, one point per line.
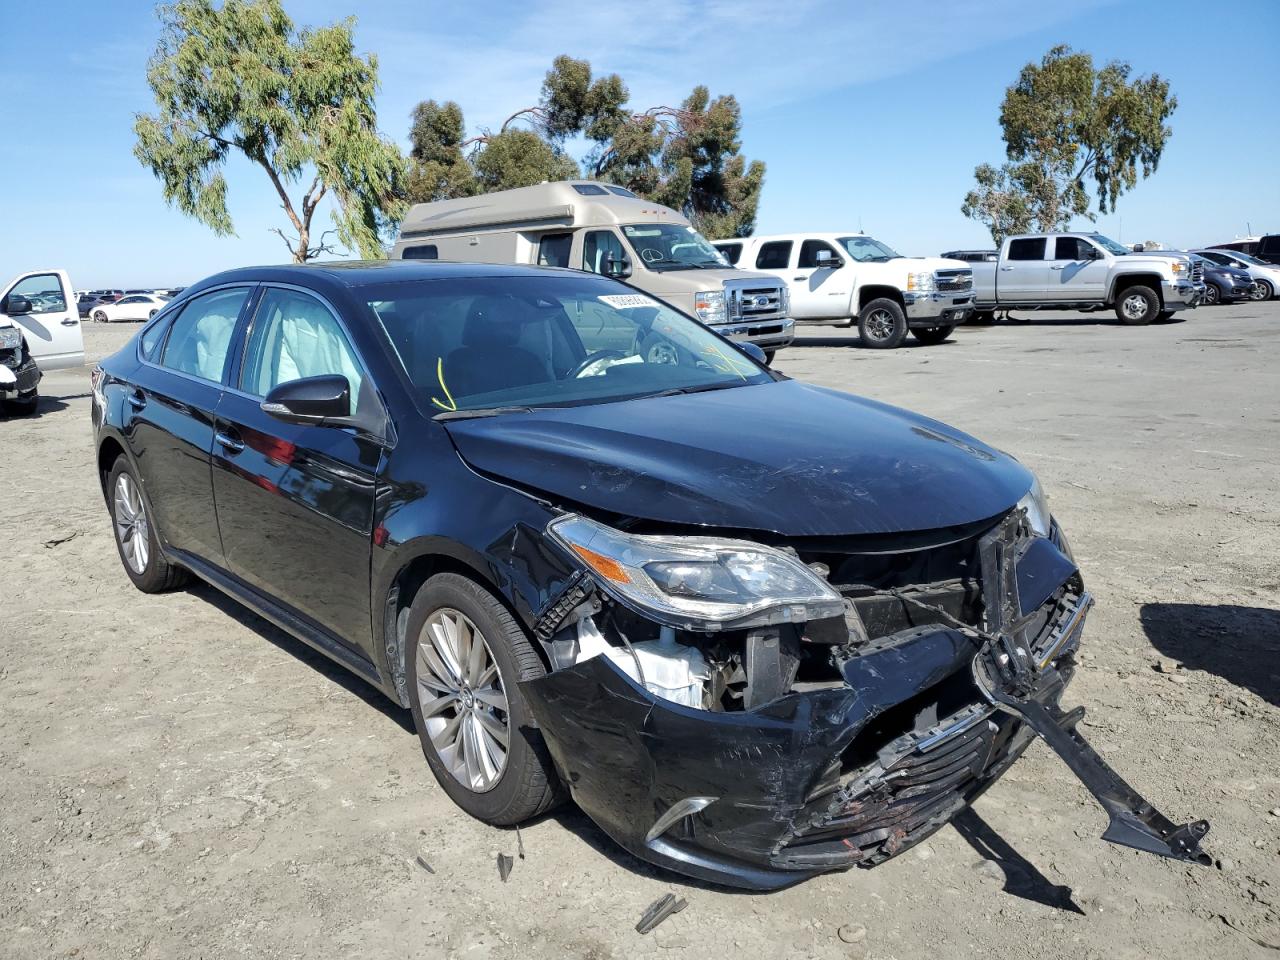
758 630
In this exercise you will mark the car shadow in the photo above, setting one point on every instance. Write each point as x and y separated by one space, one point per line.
1239 644
314 659
1021 877
855 341
45 406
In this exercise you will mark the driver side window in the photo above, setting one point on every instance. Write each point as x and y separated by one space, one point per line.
598 248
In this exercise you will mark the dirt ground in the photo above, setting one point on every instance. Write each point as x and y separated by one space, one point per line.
180 779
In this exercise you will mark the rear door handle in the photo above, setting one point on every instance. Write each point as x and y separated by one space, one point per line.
228 442
137 399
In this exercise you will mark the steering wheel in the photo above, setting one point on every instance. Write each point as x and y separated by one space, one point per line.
595 358
650 255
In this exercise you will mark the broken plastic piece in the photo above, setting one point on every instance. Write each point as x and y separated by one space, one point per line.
424 865
519 843
505 863
665 906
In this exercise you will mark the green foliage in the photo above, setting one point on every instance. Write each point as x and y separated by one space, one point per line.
296 103
686 157
1067 126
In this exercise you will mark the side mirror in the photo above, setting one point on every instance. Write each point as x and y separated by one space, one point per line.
617 267
16 304
826 260
754 352
311 400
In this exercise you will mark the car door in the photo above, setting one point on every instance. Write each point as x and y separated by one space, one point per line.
295 501
168 418
1023 275
819 292
129 308
1077 271
52 328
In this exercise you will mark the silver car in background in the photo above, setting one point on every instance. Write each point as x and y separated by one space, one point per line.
1265 276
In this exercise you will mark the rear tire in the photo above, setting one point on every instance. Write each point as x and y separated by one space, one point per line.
882 324
526 785
932 335
1137 306
135 533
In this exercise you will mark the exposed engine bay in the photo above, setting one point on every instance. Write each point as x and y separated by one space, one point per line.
832 731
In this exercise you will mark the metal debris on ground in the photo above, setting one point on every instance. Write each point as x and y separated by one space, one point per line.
505 863
519 844
424 865
659 910
56 541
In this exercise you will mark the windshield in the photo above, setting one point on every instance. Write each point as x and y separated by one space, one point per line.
494 343
866 250
669 246
1245 258
1109 245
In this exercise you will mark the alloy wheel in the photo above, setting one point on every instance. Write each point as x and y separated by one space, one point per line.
99 317
132 529
880 325
1259 291
1134 307
1211 295
460 695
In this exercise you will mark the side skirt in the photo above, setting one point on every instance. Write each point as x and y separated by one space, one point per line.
310 633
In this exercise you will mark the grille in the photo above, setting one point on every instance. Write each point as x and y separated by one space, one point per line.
1197 270
919 789
953 281
754 301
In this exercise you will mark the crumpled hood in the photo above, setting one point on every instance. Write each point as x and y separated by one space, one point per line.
785 457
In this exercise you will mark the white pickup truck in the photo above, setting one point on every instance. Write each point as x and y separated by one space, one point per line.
39 331
1085 271
841 277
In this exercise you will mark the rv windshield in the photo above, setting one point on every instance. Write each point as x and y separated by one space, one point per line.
669 246
480 346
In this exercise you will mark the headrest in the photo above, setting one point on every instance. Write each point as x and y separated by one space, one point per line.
495 321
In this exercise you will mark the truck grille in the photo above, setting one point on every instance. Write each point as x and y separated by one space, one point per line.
953 281
1197 271
754 300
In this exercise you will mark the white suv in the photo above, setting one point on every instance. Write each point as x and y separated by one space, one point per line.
842 277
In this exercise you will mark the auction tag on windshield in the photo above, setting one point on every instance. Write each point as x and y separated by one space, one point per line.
627 301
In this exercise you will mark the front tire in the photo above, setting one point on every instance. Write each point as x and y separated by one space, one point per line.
768 357
932 335
882 324
1137 306
465 658
1262 290
136 539
1212 295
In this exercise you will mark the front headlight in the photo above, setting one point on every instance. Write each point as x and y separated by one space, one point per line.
920 282
10 338
709 306
698 583
1180 266
1036 506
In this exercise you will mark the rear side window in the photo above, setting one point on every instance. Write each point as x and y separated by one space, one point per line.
202 334
732 251
1028 248
774 255
553 249
809 252
423 251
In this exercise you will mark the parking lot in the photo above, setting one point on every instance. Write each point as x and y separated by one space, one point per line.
178 778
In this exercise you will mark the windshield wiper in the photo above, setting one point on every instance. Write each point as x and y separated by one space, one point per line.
479 412
699 388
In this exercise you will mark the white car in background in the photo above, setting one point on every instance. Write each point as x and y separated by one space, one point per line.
1265 276
39 331
136 306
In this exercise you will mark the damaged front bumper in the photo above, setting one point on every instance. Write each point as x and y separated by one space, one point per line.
852 772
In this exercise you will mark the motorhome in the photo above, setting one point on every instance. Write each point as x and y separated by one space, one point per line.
606 229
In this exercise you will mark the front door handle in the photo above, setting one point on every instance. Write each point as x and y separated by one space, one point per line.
1005 269
70 321
801 277
228 442
137 399
1058 266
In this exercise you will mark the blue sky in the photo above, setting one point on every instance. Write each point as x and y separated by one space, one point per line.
868 114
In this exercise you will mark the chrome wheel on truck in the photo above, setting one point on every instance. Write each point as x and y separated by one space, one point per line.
460 695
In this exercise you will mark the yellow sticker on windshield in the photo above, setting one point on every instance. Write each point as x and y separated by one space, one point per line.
627 301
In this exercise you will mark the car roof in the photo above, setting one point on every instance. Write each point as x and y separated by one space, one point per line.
359 273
